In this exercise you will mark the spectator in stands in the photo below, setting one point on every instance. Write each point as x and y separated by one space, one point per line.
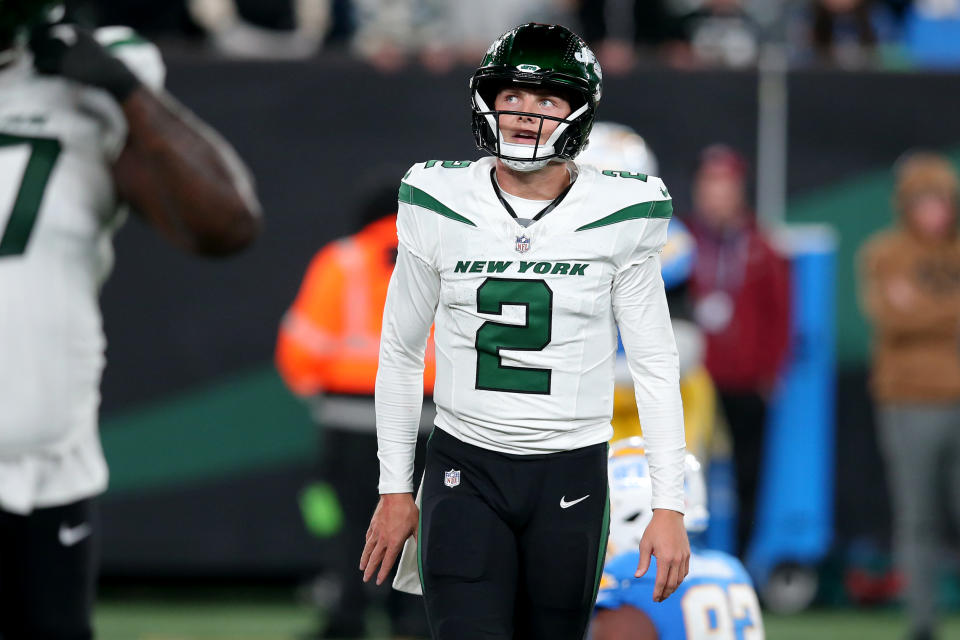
910 288
847 33
620 29
932 33
721 33
440 33
327 352
267 30
741 295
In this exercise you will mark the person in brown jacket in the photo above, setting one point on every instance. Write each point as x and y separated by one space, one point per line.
910 288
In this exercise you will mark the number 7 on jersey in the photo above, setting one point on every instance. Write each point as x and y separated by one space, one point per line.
33 159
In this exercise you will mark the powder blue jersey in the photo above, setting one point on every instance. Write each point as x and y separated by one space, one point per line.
716 601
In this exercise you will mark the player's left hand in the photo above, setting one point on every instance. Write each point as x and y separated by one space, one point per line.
73 52
665 538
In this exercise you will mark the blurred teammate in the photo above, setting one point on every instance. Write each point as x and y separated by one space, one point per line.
84 128
327 353
717 599
529 263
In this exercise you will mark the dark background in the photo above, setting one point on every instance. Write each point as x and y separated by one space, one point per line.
318 135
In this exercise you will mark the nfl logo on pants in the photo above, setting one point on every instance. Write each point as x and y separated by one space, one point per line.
451 478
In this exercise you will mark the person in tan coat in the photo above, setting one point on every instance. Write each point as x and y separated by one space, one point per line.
910 288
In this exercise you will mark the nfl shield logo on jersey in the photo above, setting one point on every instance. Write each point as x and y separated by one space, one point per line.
451 478
523 244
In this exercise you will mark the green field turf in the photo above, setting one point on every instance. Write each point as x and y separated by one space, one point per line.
170 619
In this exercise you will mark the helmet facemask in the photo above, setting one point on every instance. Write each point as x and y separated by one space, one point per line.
526 157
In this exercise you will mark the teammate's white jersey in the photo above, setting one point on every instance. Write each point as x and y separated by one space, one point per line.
526 318
58 212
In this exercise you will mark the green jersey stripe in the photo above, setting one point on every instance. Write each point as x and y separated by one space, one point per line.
652 209
411 195
132 40
602 550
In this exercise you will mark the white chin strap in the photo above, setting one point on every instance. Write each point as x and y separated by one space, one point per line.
517 153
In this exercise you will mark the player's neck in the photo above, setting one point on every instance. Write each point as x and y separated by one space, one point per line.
543 184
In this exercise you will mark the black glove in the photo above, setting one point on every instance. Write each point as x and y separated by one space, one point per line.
72 52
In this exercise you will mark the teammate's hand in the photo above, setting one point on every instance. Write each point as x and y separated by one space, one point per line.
394 520
665 538
72 52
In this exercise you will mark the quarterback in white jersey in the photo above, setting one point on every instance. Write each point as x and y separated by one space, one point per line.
527 264
84 130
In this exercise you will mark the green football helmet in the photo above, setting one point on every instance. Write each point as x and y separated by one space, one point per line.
537 55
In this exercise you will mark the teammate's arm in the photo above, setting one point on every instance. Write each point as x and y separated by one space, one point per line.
623 623
410 307
640 308
175 170
184 178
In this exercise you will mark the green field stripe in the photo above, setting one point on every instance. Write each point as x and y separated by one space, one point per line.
247 421
171 618
411 195
652 209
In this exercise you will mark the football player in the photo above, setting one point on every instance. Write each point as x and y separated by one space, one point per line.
717 599
528 263
84 129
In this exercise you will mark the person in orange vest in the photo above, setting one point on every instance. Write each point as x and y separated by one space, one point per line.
327 352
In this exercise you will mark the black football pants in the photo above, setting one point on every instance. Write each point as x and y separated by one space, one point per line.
511 546
48 572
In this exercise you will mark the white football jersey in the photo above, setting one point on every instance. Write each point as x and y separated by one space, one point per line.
526 317
58 212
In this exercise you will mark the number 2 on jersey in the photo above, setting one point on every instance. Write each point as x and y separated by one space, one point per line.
532 335
33 159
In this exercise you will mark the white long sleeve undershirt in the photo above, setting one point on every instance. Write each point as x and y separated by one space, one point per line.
412 298
642 315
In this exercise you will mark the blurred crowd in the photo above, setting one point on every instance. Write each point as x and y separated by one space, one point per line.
439 34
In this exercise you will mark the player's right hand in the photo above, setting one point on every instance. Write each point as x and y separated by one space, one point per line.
394 520
73 52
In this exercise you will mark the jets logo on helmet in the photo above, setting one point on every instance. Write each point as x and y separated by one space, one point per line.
586 56
540 56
